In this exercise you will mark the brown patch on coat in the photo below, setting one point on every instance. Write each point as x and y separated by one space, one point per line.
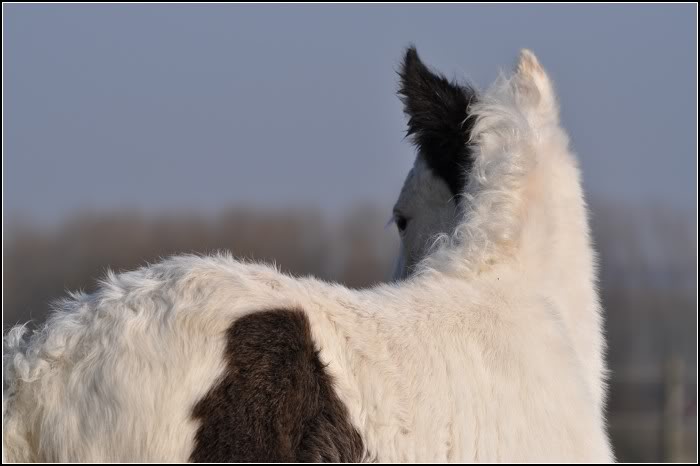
275 402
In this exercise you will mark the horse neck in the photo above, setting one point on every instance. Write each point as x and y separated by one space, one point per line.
555 250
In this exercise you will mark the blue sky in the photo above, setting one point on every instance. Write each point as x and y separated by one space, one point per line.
167 107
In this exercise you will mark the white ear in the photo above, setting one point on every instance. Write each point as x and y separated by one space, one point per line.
533 89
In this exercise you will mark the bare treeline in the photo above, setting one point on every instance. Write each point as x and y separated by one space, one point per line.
648 273
41 264
648 283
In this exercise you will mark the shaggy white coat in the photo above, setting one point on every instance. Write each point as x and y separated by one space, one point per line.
492 351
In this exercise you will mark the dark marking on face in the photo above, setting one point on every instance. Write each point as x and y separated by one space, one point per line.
275 401
439 121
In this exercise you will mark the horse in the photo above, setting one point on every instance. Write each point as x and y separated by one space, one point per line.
488 349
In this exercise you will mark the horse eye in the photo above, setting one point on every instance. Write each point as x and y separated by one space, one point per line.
401 223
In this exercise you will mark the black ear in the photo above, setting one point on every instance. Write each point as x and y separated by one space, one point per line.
438 122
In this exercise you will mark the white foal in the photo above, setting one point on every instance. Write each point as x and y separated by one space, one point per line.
489 351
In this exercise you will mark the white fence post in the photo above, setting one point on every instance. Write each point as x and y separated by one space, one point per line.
674 400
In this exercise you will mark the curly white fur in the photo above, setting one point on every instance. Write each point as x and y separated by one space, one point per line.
492 352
